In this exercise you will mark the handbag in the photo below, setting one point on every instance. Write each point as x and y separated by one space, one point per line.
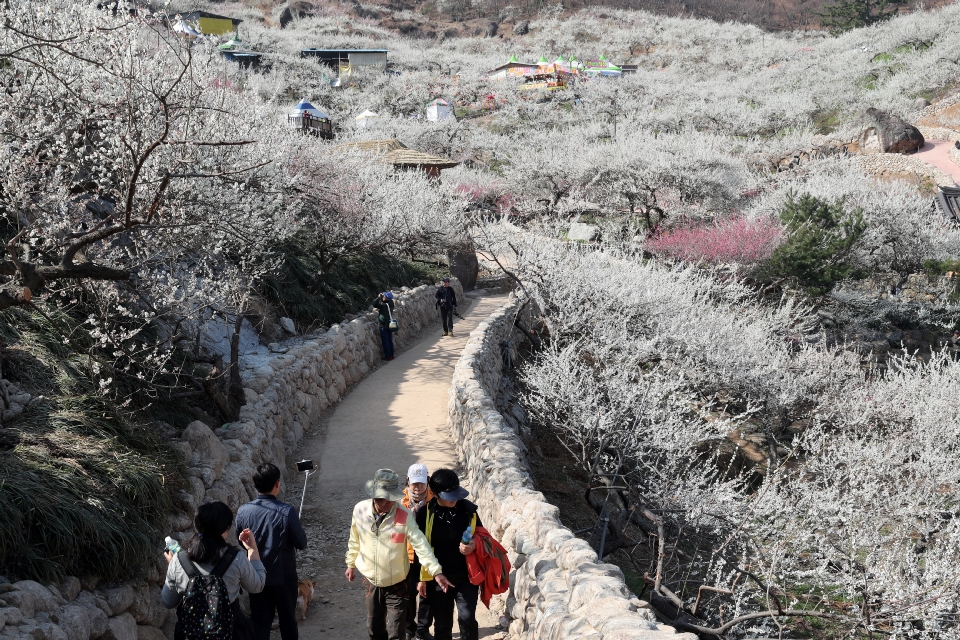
242 627
393 326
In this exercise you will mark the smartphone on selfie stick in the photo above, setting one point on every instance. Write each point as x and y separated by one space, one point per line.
307 467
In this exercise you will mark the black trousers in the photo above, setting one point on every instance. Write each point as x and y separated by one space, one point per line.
279 598
464 597
418 619
446 315
387 611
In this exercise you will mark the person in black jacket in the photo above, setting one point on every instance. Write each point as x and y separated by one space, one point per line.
276 528
384 307
444 520
447 301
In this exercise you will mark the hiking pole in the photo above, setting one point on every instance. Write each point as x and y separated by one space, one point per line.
306 466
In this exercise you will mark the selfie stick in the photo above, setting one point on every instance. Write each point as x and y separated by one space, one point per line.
307 468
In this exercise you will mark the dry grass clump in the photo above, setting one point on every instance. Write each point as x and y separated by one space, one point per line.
84 485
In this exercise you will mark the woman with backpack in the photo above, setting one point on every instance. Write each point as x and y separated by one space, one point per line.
445 520
204 582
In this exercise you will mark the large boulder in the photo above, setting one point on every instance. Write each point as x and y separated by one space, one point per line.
70 588
43 599
491 29
294 11
146 632
208 451
11 616
522 28
147 608
887 133
121 627
464 265
75 621
119 598
22 600
43 631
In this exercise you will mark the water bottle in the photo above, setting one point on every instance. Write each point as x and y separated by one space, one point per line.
467 536
171 545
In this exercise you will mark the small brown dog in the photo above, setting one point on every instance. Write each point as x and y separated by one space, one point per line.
305 588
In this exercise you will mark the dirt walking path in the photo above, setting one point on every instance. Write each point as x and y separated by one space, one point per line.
936 153
396 416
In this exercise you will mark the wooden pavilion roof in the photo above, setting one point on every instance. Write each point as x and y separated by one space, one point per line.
396 153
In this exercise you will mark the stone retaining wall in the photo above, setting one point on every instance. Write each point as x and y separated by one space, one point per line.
881 163
559 588
286 393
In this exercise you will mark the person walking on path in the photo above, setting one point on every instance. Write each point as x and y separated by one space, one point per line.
444 522
277 530
415 496
447 301
379 533
209 554
384 306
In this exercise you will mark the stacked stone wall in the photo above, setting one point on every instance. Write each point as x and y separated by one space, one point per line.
559 587
286 394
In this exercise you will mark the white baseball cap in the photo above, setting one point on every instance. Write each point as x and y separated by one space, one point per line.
417 473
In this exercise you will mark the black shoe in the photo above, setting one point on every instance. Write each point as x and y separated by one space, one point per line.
424 635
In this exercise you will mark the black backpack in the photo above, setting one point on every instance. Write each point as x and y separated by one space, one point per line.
205 612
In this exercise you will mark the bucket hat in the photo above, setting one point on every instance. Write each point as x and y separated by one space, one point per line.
445 484
385 485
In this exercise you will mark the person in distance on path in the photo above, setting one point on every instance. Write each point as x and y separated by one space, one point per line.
444 521
278 532
384 307
379 533
415 496
447 301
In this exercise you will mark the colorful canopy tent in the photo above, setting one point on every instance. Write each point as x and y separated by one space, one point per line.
601 67
305 108
309 119
367 119
231 44
438 110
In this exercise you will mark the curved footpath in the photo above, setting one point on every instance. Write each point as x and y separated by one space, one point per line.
396 416
937 154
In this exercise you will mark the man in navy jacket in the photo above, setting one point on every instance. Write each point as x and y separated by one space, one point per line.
447 302
276 528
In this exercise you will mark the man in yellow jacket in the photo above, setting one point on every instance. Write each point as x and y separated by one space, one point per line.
377 549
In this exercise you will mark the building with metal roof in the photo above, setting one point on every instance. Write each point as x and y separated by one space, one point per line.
948 201
341 58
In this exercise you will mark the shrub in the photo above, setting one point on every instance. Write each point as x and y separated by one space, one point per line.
820 237
736 239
